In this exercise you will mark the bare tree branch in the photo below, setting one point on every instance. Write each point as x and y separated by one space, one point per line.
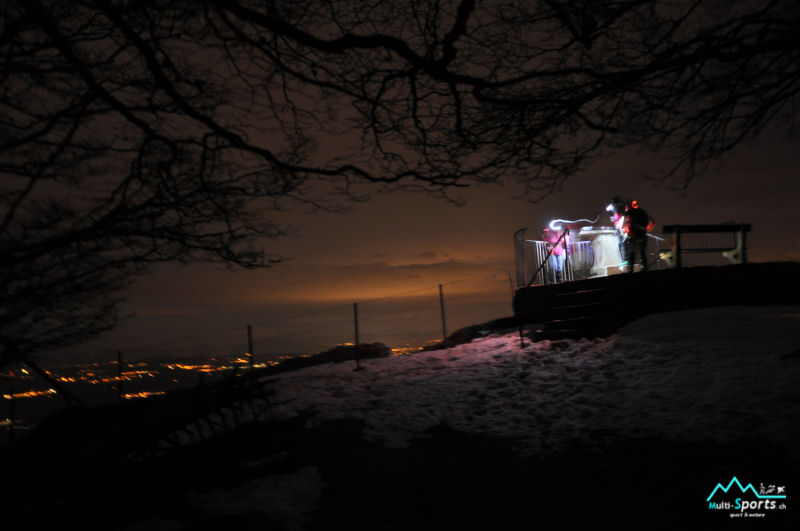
133 133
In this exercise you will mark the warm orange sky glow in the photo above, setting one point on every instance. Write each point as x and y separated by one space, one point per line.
390 254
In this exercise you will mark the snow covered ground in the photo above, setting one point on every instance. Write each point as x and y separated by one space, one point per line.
719 374
709 374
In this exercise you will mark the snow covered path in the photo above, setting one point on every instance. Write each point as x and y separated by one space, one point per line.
716 374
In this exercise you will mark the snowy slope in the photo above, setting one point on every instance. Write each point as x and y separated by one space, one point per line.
718 374
711 374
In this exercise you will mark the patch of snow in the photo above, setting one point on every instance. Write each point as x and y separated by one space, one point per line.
718 374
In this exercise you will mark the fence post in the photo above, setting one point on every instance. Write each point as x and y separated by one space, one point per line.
119 375
444 325
250 345
12 414
357 342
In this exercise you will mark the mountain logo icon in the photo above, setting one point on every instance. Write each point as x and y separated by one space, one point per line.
749 488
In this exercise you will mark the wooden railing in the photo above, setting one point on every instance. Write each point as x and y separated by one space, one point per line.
733 248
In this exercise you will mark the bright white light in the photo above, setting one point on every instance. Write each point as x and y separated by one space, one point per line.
555 224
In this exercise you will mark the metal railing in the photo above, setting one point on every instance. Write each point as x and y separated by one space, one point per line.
678 246
533 267
551 252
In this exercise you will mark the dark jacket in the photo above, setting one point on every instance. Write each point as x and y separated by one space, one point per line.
638 221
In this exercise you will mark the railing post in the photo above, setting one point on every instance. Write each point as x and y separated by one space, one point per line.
743 243
567 264
677 246
541 259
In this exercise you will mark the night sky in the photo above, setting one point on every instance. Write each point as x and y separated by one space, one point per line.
464 95
390 253
143 137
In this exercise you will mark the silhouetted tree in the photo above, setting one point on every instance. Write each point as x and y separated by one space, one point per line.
136 132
